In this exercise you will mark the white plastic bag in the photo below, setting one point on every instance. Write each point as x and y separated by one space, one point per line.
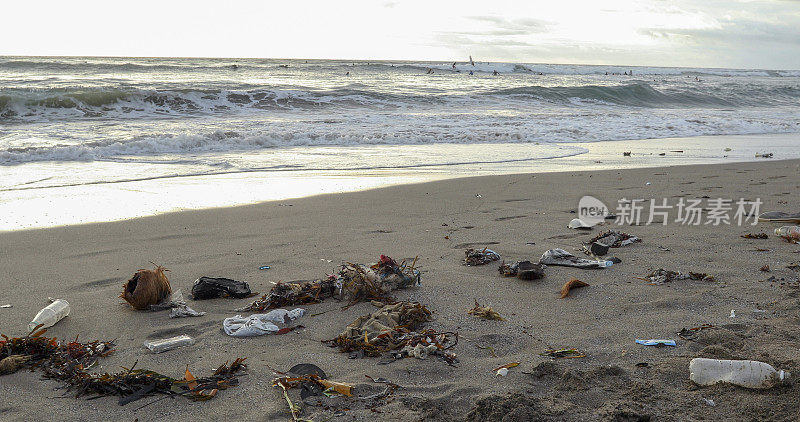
260 324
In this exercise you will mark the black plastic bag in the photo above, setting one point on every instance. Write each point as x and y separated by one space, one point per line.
213 287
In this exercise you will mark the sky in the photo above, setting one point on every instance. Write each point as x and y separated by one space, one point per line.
700 33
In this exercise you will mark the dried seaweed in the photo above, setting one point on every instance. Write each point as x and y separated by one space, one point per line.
563 354
394 328
661 276
355 283
572 284
485 312
755 236
68 362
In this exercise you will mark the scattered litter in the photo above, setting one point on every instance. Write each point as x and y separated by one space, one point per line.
483 256
502 372
213 287
177 306
309 382
523 270
145 288
708 402
160 346
642 365
789 233
393 328
661 276
755 236
563 354
68 362
690 333
648 184
779 217
485 312
764 155
577 223
764 268
6 306
733 314
504 369
355 282
50 315
572 284
266 267
260 324
656 342
564 258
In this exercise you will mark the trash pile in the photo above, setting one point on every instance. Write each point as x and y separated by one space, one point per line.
355 283
599 245
395 329
523 270
661 276
68 362
474 257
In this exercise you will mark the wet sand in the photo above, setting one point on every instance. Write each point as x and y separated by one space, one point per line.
519 216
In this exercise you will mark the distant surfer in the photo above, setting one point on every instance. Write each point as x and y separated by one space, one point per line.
470 61
235 66
454 65
470 72
429 72
495 73
347 74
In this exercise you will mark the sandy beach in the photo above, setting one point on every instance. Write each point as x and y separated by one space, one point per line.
519 216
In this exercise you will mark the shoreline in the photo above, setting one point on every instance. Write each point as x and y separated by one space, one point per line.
33 207
519 216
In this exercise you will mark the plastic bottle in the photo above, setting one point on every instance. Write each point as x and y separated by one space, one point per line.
50 315
744 373
789 232
158 346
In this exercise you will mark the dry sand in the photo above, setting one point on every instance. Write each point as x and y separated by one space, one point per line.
519 216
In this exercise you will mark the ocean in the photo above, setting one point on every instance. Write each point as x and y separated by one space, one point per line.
72 122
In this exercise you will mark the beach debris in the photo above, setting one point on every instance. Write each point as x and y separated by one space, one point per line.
727 150
57 310
214 287
309 382
145 288
502 371
764 268
355 283
261 324
485 312
744 373
483 256
396 329
13 363
266 267
733 314
708 402
564 258
661 276
523 270
764 155
563 354
642 365
656 342
577 223
6 306
755 236
690 333
67 362
572 284
177 306
163 345
793 267
789 233
614 239
779 217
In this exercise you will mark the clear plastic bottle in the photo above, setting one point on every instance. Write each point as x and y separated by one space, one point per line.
789 232
50 315
744 373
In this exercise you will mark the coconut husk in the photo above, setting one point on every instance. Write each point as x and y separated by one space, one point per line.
145 288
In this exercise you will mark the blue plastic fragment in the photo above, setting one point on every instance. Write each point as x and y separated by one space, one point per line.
656 342
265 267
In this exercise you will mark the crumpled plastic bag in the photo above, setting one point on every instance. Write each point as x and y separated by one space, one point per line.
177 306
386 319
213 287
260 324
564 258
